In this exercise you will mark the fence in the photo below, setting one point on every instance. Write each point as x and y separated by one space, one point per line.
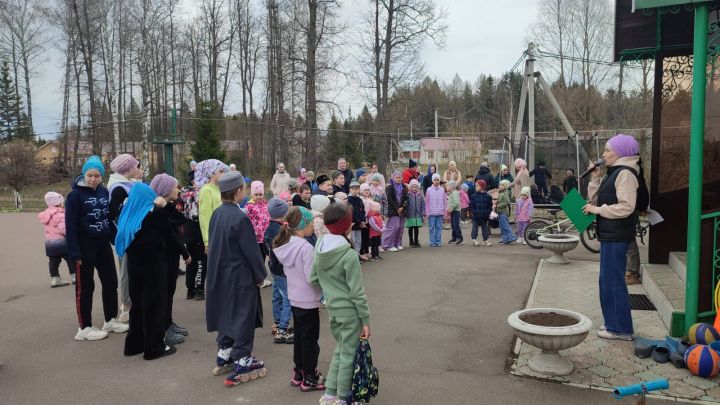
33 198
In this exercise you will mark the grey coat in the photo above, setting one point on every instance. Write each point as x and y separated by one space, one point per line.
235 268
416 205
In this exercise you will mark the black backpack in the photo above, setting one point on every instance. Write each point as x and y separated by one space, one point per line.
642 202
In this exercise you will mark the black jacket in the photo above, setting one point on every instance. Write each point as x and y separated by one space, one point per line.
86 216
569 183
392 202
542 174
175 245
485 174
358 212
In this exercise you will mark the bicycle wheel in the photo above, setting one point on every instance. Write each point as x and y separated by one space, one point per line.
535 229
589 238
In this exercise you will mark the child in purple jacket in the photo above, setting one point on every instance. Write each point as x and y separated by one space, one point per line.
435 208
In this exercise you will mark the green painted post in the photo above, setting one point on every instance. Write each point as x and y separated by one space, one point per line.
697 137
169 163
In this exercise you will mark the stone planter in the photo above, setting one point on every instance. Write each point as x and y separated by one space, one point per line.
558 244
550 339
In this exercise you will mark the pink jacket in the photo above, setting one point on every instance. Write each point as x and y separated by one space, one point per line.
464 199
260 218
524 209
54 220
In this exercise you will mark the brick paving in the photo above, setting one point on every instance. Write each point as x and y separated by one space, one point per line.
603 364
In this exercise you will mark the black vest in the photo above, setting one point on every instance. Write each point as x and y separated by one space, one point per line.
614 230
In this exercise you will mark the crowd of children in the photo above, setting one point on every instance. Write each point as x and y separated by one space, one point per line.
313 234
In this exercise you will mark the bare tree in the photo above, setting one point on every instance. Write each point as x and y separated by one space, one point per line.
17 167
553 33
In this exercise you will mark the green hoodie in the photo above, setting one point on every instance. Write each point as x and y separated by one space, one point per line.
337 273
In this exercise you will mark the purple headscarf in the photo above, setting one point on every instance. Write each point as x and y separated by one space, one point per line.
163 184
398 186
206 169
624 145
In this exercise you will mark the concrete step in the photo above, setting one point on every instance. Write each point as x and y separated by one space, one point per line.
665 289
678 262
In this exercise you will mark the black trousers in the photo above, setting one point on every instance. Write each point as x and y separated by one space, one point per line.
364 240
197 270
307 332
148 293
375 246
96 254
413 233
54 264
173 269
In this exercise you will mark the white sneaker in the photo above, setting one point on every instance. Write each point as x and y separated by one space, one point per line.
606 334
114 326
487 243
381 250
392 249
476 243
90 333
57 282
74 280
266 283
124 316
399 248
523 242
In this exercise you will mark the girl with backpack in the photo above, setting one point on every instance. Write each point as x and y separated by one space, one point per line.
336 270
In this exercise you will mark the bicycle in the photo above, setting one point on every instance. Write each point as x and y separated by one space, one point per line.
588 237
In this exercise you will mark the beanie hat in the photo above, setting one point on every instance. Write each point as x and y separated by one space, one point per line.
412 163
284 196
359 173
163 184
505 183
93 162
292 183
310 173
277 208
341 197
520 163
257 187
482 183
231 181
415 183
624 145
374 206
435 177
452 184
193 163
302 170
465 187
335 174
525 190
377 177
123 163
306 217
503 167
53 199
364 187
318 203
354 183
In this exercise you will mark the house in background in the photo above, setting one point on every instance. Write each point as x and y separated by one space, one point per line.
440 151
410 149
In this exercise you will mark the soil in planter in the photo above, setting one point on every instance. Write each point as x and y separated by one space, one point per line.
551 319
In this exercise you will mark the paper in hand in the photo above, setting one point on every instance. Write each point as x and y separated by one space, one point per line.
573 204
654 217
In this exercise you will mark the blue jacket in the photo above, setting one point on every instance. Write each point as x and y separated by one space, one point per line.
471 187
276 268
86 216
358 212
481 205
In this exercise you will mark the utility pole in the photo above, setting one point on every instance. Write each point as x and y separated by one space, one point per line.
411 129
530 77
436 124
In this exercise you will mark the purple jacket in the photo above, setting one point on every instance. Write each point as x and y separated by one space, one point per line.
435 201
296 256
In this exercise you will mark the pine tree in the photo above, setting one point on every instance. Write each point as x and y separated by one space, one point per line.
9 105
207 133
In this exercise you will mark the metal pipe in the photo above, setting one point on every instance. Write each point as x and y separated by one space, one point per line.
695 177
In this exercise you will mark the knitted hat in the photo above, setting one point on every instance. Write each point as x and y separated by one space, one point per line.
482 183
374 206
292 183
318 203
163 184
414 183
53 199
354 183
310 173
93 162
624 145
277 208
335 174
435 176
364 187
525 190
412 163
359 173
341 197
452 184
284 196
303 171
193 164
465 187
395 173
230 181
505 183
503 167
306 217
257 187
123 163
377 177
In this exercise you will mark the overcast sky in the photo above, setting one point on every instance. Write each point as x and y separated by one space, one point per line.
484 36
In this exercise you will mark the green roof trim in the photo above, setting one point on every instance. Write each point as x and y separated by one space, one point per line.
664 3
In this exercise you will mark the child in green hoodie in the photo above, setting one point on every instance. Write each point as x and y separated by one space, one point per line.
336 270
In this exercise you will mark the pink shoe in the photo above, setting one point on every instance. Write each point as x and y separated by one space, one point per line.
297 377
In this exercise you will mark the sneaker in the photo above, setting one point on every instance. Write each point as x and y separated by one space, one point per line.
199 295
327 400
375 259
631 279
72 277
523 242
169 351
381 250
461 242
190 294
602 327
606 334
487 243
114 326
417 244
266 283
172 338
392 249
314 382
177 329
124 315
452 241
90 333
297 377
283 336
399 247
476 243
57 282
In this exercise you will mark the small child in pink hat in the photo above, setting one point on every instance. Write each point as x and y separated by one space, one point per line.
53 218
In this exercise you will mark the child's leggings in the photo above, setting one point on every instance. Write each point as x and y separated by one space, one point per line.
521 226
346 331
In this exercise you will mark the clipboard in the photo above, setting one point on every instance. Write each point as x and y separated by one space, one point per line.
573 204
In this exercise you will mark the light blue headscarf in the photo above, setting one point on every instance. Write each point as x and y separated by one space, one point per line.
137 206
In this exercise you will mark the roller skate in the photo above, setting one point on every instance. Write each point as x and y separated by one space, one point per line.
312 382
224 363
246 369
297 377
